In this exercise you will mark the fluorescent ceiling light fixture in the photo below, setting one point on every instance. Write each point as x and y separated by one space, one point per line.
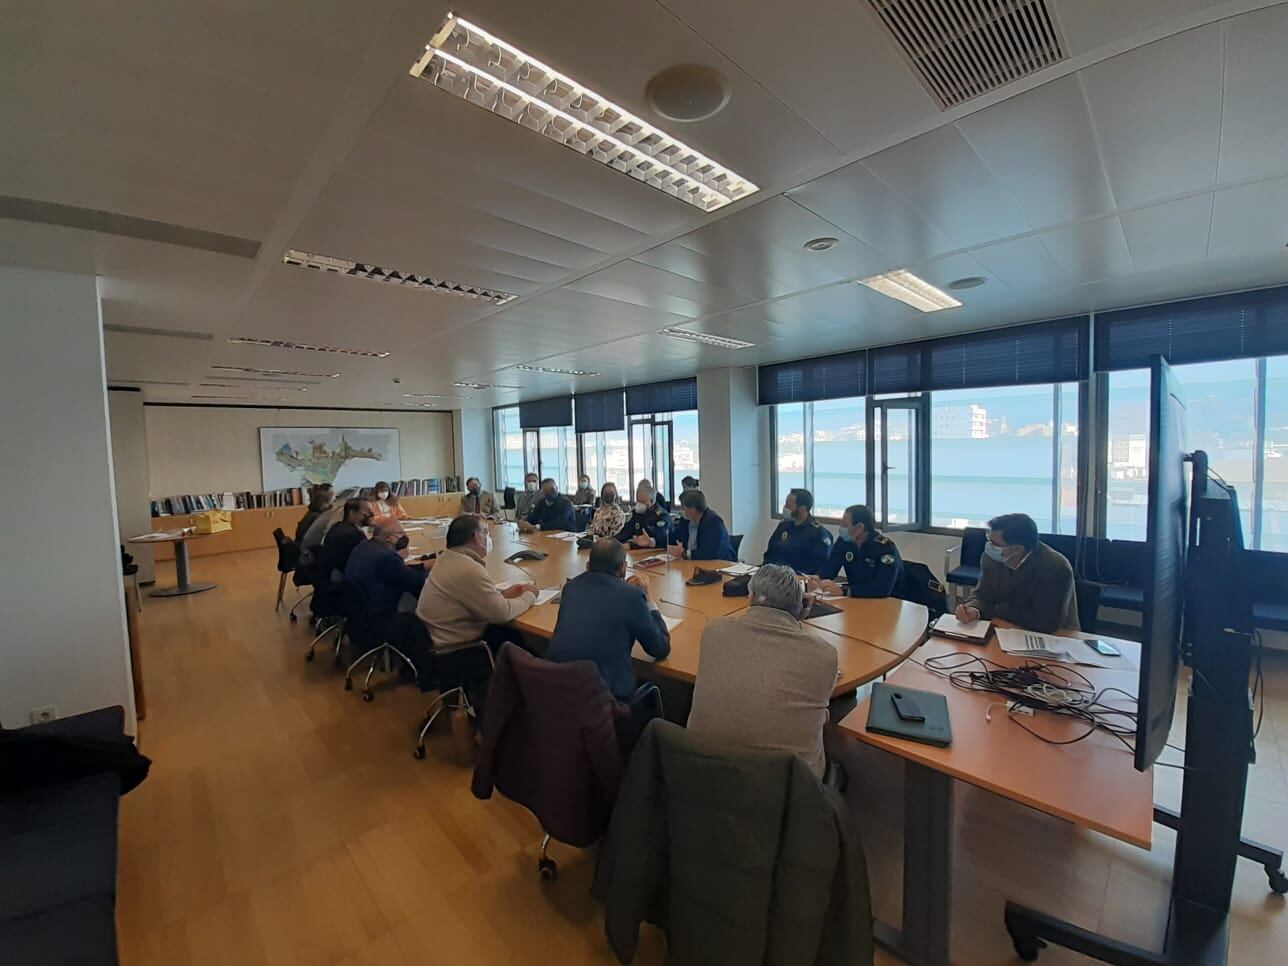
425 395
277 372
283 344
482 385
911 290
718 341
481 68
557 372
342 266
272 381
201 396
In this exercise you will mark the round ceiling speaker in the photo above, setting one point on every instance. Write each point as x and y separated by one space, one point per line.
820 244
970 281
687 92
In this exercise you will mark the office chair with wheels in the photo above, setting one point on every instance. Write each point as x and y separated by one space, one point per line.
288 558
370 634
453 670
328 608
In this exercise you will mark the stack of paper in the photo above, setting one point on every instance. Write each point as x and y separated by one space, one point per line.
656 560
1032 644
546 594
738 569
973 631
672 622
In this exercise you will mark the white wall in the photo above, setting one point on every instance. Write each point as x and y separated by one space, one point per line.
62 636
209 449
472 441
130 462
733 444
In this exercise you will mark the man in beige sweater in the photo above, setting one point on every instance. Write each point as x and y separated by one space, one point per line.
461 603
764 680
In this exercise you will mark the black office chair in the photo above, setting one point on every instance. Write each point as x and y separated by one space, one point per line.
920 586
371 635
1089 593
735 541
970 550
507 498
288 558
454 670
328 607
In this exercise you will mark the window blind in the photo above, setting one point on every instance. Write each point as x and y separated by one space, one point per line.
599 412
546 412
824 377
676 396
1237 326
1021 355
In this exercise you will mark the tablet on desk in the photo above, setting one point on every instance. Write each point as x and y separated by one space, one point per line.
884 716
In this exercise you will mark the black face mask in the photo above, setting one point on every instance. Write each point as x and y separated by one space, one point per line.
403 542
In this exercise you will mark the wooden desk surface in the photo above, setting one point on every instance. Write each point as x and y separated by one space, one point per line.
1091 783
871 636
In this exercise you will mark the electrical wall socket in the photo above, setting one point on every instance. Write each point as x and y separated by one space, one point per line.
41 715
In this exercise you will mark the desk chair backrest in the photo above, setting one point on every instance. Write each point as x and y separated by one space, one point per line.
507 501
550 744
1088 593
735 541
288 552
973 540
1064 544
920 586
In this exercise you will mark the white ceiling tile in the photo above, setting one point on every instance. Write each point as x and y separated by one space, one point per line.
1086 24
1169 235
1023 264
824 52
645 285
1250 221
1254 126
1157 110
1041 148
943 178
856 201
1090 250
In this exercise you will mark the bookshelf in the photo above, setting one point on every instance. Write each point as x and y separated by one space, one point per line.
253 529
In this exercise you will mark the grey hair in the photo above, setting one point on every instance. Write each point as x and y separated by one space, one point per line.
386 527
775 585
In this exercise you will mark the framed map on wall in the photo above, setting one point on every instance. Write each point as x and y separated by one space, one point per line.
302 456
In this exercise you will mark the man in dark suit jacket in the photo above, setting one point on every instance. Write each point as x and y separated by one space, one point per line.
553 512
701 534
344 536
601 616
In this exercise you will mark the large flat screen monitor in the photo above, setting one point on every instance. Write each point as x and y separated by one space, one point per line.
1166 536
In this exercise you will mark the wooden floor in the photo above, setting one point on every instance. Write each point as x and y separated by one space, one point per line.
285 821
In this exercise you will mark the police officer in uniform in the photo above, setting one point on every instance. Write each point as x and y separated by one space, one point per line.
649 525
869 558
800 541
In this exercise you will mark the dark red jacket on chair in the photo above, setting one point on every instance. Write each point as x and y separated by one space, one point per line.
550 744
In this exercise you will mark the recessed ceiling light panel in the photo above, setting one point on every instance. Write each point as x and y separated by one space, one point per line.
277 372
342 266
557 372
479 67
283 344
911 290
718 341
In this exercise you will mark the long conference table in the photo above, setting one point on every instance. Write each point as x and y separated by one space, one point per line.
871 636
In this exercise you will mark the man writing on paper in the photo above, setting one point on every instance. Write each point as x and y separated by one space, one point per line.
602 615
1022 580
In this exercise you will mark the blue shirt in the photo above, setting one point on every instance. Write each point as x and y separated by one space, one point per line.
802 546
558 515
872 567
709 542
601 617
382 576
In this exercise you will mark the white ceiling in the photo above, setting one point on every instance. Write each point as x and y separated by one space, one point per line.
1151 164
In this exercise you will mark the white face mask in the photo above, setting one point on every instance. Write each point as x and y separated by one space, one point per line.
382 495
640 507
584 484
530 487
487 542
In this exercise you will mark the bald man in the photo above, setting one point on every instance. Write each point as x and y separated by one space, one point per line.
389 586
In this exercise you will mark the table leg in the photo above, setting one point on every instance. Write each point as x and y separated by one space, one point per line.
924 939
183 585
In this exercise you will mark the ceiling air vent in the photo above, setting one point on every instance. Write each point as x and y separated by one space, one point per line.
964 48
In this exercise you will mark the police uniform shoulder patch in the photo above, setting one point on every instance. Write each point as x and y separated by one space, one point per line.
786 536
882 538
849 556
887 559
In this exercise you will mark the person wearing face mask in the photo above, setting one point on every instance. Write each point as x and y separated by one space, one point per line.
388 588
384 506
700 534
869 558
460 602
478 501
344 536
800 541
528 498
609 517
1022 580
585 495
553 511
648 524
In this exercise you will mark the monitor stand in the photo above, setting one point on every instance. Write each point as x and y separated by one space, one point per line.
1218 748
